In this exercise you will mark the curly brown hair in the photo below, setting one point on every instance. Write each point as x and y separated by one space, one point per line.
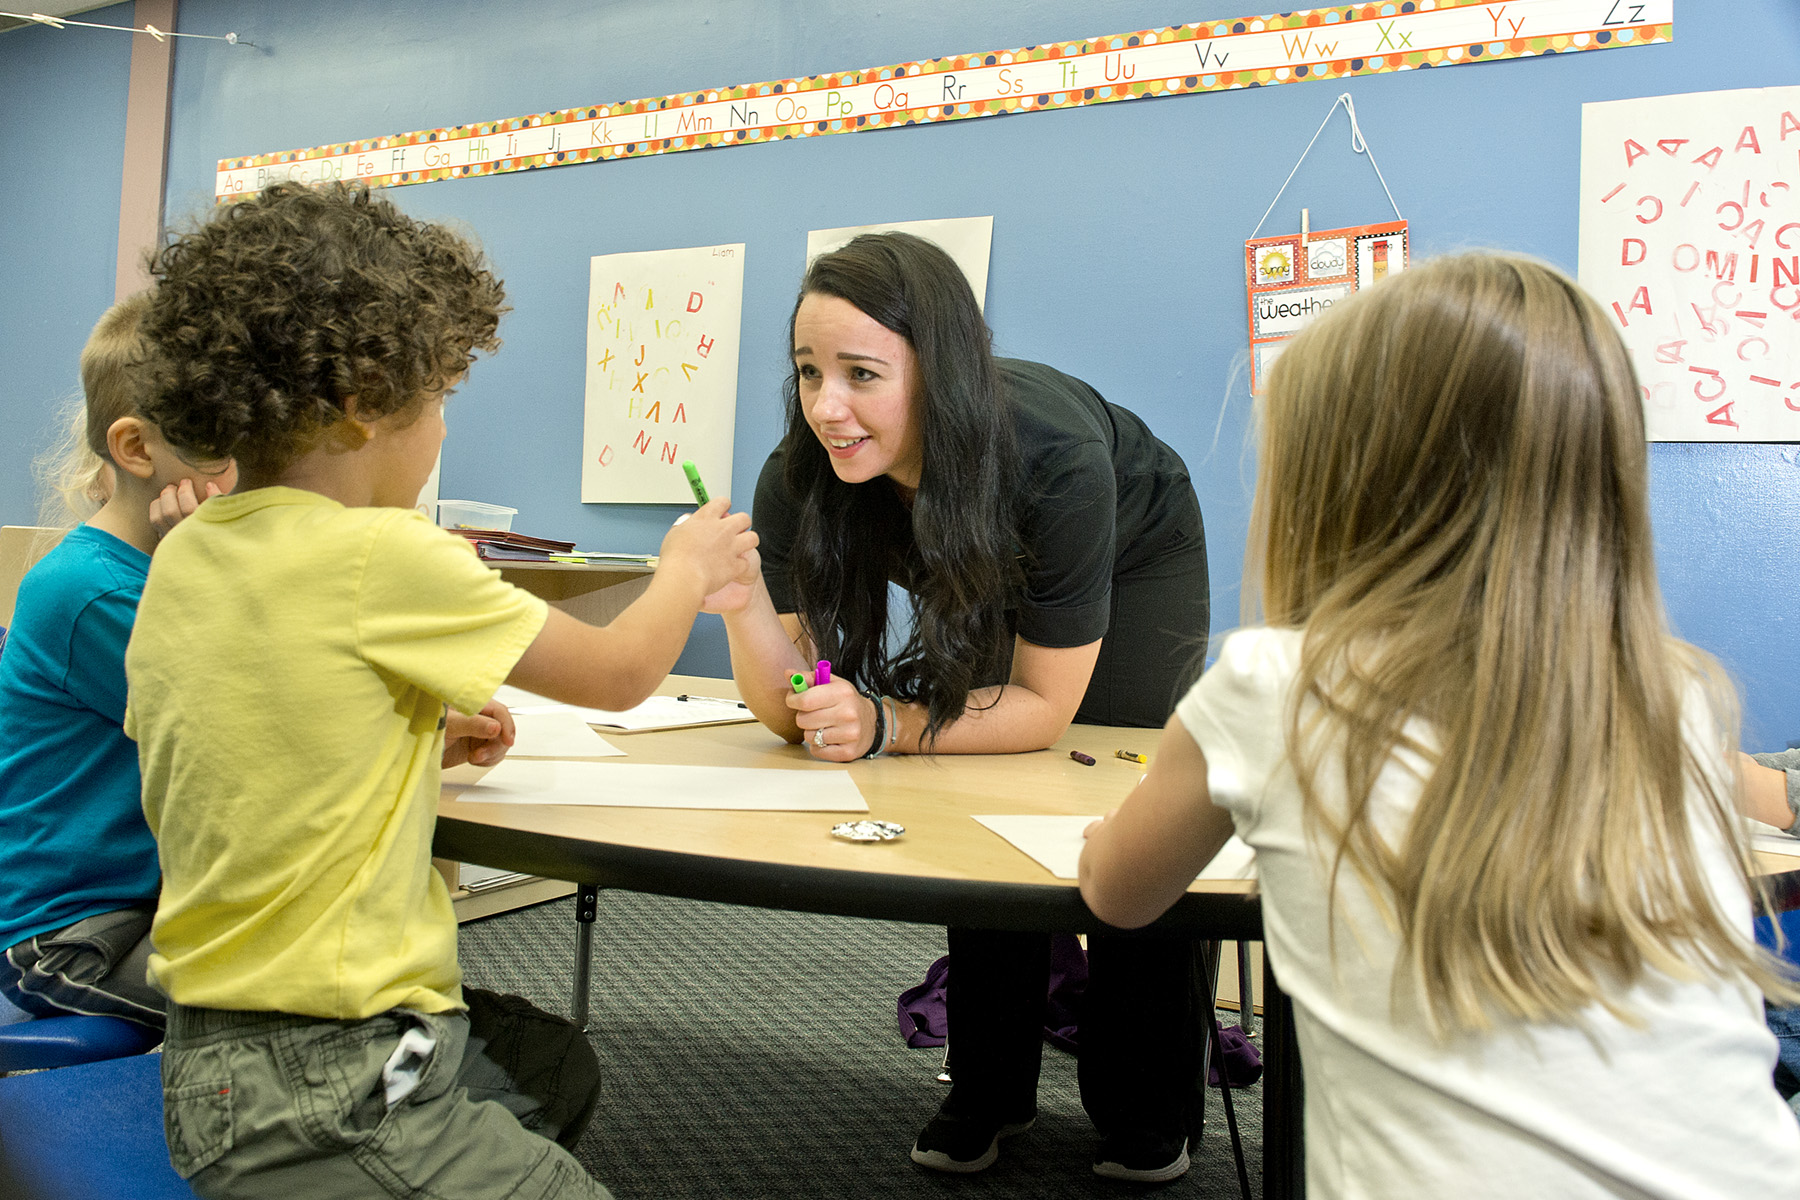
276 311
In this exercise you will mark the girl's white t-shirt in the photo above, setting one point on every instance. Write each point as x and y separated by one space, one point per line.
1682 1107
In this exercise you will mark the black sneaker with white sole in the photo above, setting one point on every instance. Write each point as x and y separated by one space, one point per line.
1142 1159
964 1143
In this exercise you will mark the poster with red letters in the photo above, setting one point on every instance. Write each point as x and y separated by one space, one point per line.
1690 239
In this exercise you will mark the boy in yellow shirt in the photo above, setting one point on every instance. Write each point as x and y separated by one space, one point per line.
296 647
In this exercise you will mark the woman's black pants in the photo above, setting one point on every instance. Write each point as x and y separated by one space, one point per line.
1139 1020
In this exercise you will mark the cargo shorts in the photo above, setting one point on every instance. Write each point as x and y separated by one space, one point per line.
259 1104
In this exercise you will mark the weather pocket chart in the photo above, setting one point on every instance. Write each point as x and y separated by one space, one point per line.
1293 278
1690 240
662 347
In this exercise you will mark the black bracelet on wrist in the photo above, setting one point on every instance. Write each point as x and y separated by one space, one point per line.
880 742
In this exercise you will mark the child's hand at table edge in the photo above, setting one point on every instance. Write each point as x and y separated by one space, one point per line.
482 739
176 503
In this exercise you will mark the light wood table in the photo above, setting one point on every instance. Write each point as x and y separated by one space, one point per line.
946 870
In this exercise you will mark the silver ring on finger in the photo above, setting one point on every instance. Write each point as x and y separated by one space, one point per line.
819 738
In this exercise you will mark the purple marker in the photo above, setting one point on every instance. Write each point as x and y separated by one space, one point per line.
822 673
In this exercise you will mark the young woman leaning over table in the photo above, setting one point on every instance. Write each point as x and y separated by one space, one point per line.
1052 548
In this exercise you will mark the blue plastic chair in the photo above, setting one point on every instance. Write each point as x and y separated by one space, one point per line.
92 1132
69 1041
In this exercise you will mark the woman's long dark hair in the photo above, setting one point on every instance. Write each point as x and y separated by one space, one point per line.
963 517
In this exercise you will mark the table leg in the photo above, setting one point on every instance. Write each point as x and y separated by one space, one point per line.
587 906
1246 994
1284 1144
1206 993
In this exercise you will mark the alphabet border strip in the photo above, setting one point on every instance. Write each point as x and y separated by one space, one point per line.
1204 56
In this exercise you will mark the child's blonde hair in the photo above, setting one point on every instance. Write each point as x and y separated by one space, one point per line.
1452 501
70 476
71 470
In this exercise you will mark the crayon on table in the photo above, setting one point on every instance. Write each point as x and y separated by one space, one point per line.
1132 756
1086 760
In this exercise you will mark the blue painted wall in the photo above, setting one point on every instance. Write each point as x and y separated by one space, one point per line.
1117 229
62 137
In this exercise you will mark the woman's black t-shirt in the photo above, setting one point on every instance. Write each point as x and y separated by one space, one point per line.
1101 499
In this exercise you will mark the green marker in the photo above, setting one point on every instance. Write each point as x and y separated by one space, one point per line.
798 679
693 473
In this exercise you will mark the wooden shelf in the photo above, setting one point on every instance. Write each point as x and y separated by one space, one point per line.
528 891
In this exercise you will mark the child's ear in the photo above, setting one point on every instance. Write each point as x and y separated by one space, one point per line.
127 440
357 427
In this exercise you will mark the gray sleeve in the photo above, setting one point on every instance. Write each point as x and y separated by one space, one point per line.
1787 761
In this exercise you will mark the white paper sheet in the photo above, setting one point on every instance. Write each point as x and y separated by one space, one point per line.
647 785
559 734
968 240
658 712
1055 842
1771 840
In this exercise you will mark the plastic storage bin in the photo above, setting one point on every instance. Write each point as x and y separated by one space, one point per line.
473 514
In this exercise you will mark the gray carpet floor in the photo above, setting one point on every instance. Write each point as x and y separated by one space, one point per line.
750 1053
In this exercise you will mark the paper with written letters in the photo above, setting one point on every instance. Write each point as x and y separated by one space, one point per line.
649 785
1690 240
662 349
1056 842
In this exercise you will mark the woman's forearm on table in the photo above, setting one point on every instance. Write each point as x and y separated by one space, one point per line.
763 657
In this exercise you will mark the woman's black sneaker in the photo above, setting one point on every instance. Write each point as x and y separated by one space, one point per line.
1141 1159
964 1144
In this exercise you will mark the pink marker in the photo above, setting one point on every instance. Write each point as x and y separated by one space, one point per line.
822 673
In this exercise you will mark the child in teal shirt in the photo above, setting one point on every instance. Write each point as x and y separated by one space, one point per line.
78 871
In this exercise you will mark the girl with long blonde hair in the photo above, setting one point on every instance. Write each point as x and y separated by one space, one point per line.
1492 798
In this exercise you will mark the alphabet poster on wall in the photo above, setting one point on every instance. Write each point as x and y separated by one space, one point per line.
1217 54
662 373
1690 239
1293 278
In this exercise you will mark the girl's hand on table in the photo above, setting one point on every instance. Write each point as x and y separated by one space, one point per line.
836 723
482 739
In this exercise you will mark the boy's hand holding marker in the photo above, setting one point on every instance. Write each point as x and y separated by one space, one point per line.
712 546
733 593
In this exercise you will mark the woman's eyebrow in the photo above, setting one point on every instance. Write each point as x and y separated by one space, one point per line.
844 356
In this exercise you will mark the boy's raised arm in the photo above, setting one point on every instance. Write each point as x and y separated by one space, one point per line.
615 666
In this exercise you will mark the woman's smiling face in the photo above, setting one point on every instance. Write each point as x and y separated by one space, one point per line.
859 391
